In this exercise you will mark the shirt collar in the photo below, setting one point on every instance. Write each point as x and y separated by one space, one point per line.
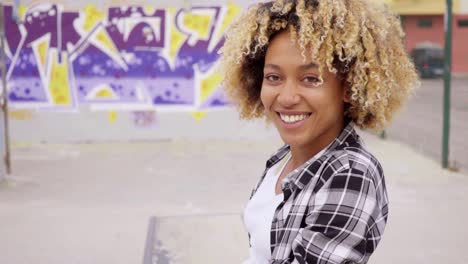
297 177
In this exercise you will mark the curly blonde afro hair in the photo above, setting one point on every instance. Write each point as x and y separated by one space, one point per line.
360 41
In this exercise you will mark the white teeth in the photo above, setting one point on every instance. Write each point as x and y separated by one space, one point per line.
292 118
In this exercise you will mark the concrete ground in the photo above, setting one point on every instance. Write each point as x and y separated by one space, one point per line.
181 202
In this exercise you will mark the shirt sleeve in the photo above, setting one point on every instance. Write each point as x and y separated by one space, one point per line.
345 220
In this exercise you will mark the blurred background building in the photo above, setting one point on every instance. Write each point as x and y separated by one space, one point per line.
423 22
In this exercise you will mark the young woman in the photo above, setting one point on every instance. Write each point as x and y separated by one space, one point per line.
316 69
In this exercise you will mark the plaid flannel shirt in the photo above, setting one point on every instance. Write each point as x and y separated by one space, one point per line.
334 208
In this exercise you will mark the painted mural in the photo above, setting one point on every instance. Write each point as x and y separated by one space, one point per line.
123 58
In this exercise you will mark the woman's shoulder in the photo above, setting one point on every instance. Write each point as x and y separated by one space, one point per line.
349 167
352 156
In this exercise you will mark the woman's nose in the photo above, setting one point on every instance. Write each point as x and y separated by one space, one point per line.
288 95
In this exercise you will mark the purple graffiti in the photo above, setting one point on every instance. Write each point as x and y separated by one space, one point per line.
144 35
121 59
144 119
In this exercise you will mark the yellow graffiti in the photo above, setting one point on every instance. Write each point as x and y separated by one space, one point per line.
198 115
42 51
59 85
104 38
177 38
105 94
209 85
20 114
112 117
149 10
92 17
199 24
22 12
232 11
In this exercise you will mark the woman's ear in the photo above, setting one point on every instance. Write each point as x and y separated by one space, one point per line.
346 93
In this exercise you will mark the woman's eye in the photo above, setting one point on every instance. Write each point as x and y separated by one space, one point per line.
310 79
272 78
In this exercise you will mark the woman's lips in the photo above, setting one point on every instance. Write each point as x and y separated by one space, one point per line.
292 120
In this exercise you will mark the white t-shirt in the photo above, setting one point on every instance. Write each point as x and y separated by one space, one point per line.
258 214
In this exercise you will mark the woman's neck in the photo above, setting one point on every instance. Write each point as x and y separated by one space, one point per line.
302 153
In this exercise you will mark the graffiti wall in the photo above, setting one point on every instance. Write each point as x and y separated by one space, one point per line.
123 58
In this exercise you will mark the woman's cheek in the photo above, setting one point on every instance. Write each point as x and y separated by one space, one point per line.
265 97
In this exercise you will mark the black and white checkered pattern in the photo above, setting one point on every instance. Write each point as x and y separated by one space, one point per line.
334 208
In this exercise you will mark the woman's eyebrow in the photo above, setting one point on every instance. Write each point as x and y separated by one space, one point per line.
274 66
308 66
301 67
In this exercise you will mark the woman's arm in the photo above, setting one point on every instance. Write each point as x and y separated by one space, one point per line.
346 219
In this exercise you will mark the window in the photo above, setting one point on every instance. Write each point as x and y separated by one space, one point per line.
425 23
462 22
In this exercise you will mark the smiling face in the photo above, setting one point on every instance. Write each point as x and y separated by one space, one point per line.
308 115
